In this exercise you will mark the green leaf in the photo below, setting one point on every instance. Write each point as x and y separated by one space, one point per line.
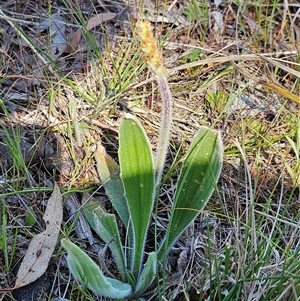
105 225
199 175
138 176
147 276
109 174
30 218
85 270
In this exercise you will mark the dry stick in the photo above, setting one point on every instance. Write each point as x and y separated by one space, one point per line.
246 57
28 42
274 87
243 57
32 23
232 58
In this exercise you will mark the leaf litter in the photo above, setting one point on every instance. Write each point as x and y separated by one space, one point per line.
42 245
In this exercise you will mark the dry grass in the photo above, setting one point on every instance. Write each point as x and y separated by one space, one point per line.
240 77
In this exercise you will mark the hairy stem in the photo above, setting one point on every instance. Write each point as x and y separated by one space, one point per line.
153 57
165 127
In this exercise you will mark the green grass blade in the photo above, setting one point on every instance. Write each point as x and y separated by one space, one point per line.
85 270
138 176
198 178
3 236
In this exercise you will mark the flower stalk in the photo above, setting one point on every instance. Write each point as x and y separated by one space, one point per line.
133 189
153 58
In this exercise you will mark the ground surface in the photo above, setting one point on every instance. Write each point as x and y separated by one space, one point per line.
233 66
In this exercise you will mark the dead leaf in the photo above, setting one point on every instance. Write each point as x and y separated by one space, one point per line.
281 91
56 25
216 22
254 27
92 22
41 247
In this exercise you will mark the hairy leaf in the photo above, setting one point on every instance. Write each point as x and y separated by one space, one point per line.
85 270
147 275
105 225
109 174
138 176
199 175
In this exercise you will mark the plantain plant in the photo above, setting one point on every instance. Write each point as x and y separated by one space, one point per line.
133 188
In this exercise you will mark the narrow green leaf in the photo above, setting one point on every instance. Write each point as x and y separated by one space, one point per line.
199 175
147 276
109 174
138 176
30 217
105 225
85 270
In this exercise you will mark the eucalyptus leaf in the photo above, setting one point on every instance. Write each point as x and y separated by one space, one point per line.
42 245
199 175
85 270
138 176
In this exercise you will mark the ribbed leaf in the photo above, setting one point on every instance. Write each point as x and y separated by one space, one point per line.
85 270
105 225
199 175
137 174
109 174
147 275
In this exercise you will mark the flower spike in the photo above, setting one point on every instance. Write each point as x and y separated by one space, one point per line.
153 58
152 54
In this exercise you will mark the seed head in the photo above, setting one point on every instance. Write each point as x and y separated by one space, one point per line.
153 56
